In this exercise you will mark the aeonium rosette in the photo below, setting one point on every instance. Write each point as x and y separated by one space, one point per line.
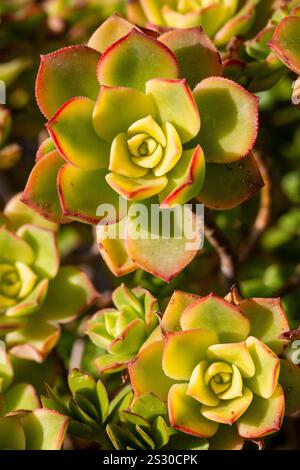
217 366
141 117
36 294
221 19
121 331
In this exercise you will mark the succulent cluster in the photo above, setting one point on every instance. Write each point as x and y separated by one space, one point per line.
153 114
31 283
215 362
221 20
172 146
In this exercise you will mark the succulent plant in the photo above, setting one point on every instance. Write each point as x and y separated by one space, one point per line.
36 295
217 365
104 150
284 42
121 331
142 426
23 423
9 153
87 406
221 19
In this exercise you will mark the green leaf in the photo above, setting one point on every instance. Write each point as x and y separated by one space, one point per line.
34 340
229 120
114 113
21 396
185 414
175 104
229 185
146 373
103 400
81 192
183 350
285 42
32 303
268 321
135 59
13 248
41 192
289 379
113 29
11 433
215 314
149 406
160 432
263 417
85 384
64 74
196 54
43 243
44 430
19 214
71 128
70 294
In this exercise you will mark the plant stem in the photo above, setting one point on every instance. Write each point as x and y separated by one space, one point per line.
264 212
218 240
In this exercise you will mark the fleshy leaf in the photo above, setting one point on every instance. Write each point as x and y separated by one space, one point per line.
81 192
229 119
198 389
185 180
43 242
147 248
214 313
13 248
6 373
146 373
175 104
32 303
136 189
267 320
130 339
114 112
69 294
289 379
234 353
226 438
267 366
40 193
229 185
21 396
64 74
185 414
19 214
44 430
183 350
285 42
72 131
34 340
178 303
113 29
228 411
263 417
111 242
11 433
135 59
197 56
